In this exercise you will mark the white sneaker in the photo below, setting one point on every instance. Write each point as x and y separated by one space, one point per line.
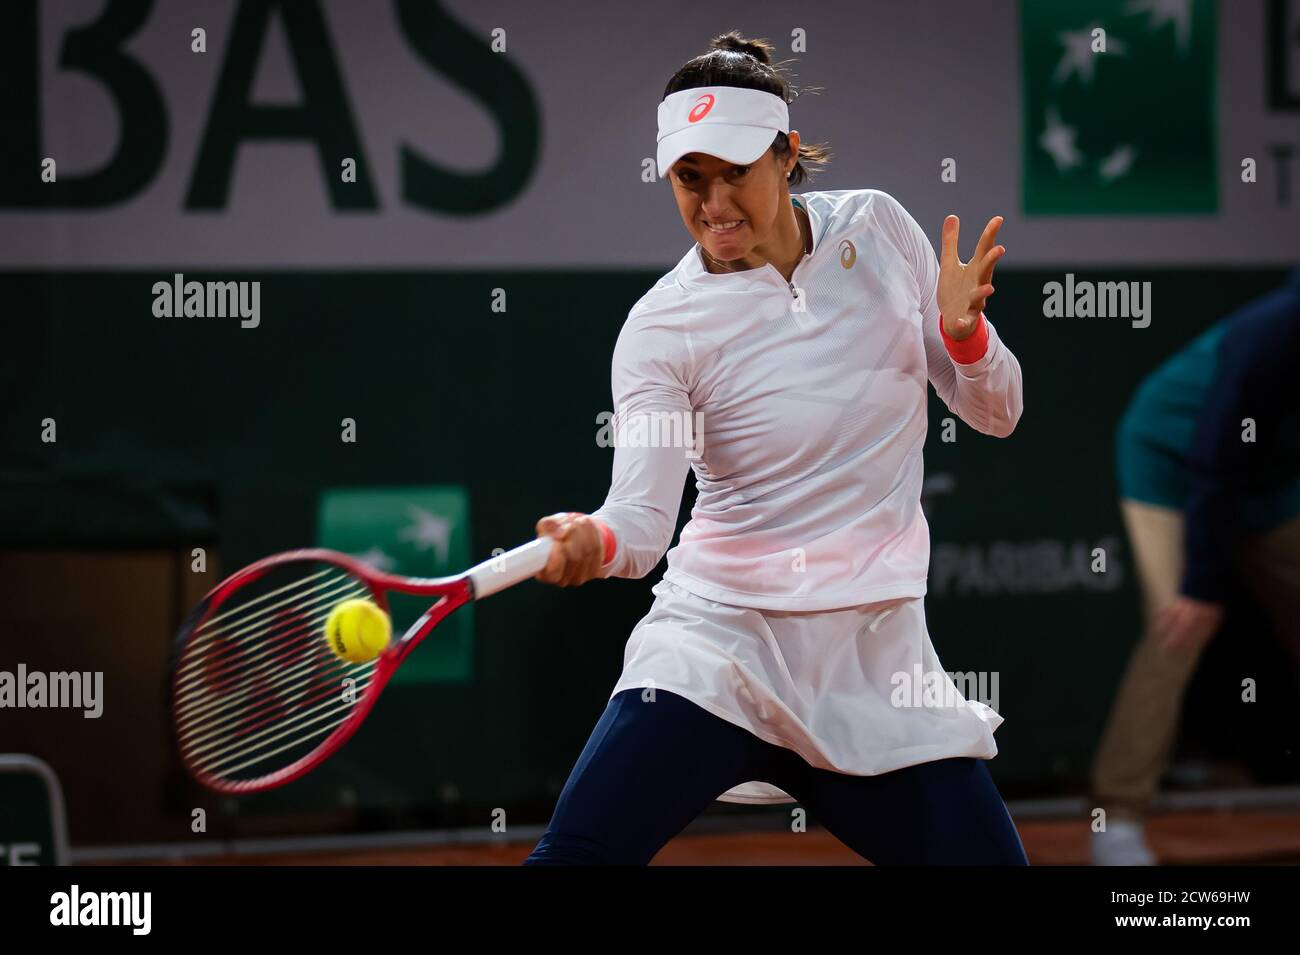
1123 843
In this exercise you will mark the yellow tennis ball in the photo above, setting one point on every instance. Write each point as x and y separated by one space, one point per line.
358 630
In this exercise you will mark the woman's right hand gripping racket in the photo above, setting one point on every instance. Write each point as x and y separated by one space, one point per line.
260 698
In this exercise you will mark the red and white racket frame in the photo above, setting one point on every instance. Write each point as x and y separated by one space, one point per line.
481 580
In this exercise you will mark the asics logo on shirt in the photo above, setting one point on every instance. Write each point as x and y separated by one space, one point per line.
848 254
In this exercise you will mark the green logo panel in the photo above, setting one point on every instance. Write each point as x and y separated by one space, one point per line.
1127 130
415 532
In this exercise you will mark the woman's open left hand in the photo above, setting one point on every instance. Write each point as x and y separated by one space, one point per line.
964 286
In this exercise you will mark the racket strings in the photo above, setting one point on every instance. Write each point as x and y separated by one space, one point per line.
248 627
284 686
265 686
269 714
294 746
244 607
258 686
261 651
216 757
220 668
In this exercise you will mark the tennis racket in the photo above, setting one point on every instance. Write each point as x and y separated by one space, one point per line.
258 697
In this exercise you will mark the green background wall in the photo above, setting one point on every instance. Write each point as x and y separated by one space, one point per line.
195 432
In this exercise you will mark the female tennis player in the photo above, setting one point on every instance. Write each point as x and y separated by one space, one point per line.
780 658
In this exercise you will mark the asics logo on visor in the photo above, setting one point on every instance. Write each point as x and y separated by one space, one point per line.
701 108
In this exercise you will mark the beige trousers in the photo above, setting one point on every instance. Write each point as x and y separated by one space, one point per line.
1143 725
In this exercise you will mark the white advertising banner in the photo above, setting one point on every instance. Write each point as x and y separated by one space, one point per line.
419 134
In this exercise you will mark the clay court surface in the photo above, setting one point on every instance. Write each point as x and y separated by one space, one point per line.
1186 838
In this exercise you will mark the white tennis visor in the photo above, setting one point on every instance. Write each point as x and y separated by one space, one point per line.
734 124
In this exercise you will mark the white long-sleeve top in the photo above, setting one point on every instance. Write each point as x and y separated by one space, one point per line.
802 406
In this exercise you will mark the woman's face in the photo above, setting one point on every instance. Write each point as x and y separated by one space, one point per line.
731 209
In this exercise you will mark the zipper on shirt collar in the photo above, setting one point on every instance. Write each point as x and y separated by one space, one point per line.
806 256
793 293
790 283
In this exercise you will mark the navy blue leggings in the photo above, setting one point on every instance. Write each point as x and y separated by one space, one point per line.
651 767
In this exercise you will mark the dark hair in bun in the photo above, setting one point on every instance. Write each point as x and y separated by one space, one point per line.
735 60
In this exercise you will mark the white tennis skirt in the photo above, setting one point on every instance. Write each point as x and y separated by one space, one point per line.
857 690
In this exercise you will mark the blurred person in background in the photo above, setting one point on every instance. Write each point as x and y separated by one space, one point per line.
1208 457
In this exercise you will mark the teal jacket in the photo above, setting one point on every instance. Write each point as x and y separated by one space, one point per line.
1183 442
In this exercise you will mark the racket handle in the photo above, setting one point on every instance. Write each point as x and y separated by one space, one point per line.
506 570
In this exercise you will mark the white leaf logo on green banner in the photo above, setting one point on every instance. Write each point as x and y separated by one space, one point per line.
1124 128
